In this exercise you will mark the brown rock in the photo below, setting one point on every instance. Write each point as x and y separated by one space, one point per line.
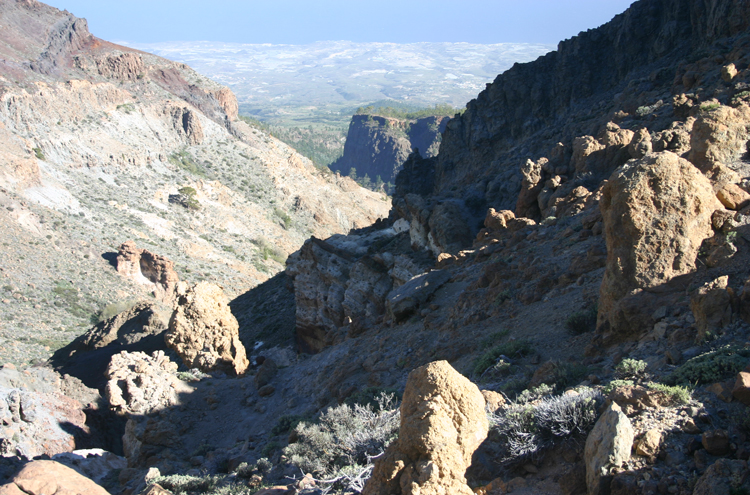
498 220
607 446
154 271
156 489
265 373
228 102
728 72
636 398
204 333
493 400
657 212
724 477
443 421
718 139
641 145
720 217
126 66
648 445
50 478
716 442
712 306
722 390
126 328
741 389
733 197
531 185
266 390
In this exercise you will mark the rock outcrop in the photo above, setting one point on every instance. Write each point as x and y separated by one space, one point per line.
378 146
204 333
607 446
154 271
657 212
442 423
141 384
50 478
37 419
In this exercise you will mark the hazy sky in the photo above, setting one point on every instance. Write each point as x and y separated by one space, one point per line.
306 21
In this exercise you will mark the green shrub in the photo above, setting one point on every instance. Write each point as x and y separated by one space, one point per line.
677 395
707 107
630 368
535 393
711 366
582 321
526 429
514 348
269 449
185 484
343 441
617 383
38 153
185 161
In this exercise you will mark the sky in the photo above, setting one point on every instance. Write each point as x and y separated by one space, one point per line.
307 21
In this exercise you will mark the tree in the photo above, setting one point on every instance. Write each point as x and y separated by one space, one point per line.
353 173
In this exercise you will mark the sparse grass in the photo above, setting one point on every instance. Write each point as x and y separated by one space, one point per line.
185 161
267 250
284 217
114 309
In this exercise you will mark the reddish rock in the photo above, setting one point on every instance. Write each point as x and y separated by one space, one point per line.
716 442
154 271
733 197
50 478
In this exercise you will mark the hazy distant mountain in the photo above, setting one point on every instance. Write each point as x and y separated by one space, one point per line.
270 80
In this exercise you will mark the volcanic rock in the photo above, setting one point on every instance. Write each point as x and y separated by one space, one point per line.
204 333
443 421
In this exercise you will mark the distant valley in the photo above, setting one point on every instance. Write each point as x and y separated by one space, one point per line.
325 82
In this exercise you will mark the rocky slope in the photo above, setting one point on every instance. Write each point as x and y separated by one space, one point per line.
377 146
102 144
587 277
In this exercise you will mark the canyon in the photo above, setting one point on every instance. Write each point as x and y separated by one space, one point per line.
556 302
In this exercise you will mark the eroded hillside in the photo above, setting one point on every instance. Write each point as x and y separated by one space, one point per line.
104 144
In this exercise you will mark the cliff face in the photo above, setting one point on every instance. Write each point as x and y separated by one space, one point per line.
378 146
635 59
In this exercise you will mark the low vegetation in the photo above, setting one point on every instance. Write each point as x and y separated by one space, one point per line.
339 447
526 429
711 367
582 321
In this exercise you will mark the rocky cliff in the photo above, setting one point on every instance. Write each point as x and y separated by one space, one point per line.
378 146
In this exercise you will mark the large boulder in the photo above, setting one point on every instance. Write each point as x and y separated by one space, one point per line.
153 271
608 446
50 478
657 212
95 464
723 477
204 333
406 300
141 384
443 421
